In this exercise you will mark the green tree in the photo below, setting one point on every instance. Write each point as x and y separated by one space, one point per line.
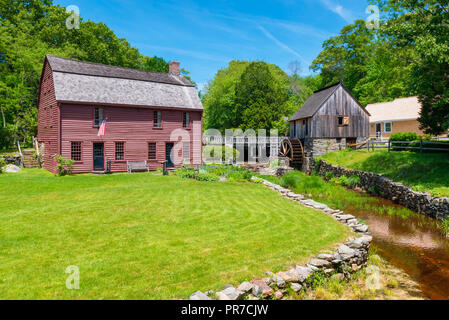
30 29
368 62
261 102
219 99
344 57
423 25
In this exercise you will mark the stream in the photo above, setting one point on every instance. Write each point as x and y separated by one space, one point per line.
415 244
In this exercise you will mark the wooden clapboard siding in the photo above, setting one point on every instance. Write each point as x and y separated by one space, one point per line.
322 112
66 113
48 115
132 125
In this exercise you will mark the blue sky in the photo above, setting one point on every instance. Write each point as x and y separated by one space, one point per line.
205 35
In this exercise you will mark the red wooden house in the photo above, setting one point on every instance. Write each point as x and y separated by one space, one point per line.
142 109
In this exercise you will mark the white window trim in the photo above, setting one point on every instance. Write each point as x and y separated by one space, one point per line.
391 126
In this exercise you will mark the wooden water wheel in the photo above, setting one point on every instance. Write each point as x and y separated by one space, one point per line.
294 151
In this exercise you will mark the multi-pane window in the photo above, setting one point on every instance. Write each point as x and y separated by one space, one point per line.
76 151
186 120
388 127
186 151
151 151
98 116
119 151
157 119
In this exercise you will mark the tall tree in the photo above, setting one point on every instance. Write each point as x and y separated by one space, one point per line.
423 25
30 29
261 102
369 63
219 99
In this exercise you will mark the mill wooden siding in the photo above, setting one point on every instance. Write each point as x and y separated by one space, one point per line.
324 124
48 124
131 125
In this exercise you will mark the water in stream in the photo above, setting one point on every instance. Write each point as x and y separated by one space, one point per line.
415 244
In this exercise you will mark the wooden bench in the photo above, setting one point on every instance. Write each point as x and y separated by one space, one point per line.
137 166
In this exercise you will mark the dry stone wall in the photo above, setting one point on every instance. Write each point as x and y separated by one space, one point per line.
379 185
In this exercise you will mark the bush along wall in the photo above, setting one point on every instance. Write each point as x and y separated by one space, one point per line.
345 260
379 185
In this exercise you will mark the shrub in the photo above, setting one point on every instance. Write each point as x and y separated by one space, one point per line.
374 190
343 180
404 136
2 164
317 164
186 174
289 181
354 181
238 174
207 177
64 165
329 175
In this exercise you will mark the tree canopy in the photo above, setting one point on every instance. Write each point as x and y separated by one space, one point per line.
252 95
31 29
408 55
423 26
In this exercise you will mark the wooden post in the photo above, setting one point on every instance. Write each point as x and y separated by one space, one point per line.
368 144
420 146
389 145
20 154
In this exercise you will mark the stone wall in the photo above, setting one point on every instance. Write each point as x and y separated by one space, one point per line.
14 160
318 147
340 264
379 185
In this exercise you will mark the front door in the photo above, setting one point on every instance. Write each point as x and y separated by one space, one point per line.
99 156
378 131
168 154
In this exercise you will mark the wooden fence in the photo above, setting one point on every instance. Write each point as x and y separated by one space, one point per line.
407 145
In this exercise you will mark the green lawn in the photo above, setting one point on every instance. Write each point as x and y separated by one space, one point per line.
145 236
423 172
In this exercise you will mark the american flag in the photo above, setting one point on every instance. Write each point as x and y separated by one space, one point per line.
102 130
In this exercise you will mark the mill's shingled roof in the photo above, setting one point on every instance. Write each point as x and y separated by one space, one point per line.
314 103
86 82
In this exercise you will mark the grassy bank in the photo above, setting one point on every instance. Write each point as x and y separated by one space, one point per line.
422 172
380 280
336 196
147 236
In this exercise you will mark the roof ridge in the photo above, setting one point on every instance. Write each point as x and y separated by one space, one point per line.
328 87
107 65
392 101
175 78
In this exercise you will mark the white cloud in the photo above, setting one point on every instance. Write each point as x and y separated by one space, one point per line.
281 44
344 13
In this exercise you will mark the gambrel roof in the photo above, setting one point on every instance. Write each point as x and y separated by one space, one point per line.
317 100
86 82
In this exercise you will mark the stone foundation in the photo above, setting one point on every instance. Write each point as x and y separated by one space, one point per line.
379 185
318 147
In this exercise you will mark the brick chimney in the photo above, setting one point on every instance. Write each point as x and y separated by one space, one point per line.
174 68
